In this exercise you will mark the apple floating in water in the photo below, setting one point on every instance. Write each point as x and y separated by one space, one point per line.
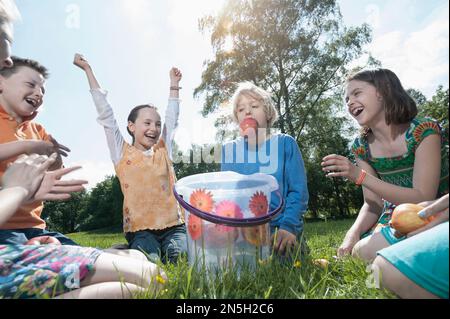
256 235
248 127
405 219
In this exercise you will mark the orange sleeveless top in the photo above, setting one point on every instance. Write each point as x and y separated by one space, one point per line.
147 183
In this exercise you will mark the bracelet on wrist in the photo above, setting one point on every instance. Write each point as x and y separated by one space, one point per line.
361 177
175 88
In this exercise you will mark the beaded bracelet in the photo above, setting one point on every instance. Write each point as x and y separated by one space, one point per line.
361 177
175 88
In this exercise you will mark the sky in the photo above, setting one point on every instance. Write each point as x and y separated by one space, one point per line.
132 44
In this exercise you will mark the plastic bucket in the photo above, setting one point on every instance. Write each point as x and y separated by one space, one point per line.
227 217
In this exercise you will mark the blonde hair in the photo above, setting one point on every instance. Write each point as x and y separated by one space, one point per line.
259 94
8 14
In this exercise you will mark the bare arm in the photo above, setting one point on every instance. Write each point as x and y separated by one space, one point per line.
16 148
427 167
10 201
13 149
372 207
367 216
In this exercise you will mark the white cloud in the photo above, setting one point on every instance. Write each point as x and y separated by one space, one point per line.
419 58
92 171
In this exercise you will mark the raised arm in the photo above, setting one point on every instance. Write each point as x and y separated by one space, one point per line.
175 78
83 64
105 118
16 148
173 109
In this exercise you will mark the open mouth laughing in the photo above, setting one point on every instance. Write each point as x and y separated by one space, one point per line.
356 111
33 102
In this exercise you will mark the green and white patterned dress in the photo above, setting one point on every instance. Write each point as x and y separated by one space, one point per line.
399 170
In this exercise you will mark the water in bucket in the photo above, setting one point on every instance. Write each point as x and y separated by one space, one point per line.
227 217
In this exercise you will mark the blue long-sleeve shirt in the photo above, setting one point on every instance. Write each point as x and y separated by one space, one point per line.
280 157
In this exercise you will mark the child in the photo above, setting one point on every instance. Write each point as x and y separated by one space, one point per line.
400 158
152 221
48 270
285 163
418 266
43 271
21 94
8 14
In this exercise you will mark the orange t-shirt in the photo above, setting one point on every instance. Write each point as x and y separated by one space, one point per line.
147 183
28 216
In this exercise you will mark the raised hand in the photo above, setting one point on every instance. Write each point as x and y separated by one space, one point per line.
81 62
175 76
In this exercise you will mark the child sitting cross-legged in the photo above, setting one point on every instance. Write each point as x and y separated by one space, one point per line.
152 220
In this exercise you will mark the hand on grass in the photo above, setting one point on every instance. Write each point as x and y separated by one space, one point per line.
283 241
350 240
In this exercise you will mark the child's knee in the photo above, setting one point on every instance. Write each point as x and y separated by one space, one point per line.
361 251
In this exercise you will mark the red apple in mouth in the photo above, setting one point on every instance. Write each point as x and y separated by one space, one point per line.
248 127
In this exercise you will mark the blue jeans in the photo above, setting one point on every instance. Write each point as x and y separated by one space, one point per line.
165 244
21 236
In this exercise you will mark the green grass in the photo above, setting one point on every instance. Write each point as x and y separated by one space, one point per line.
344 278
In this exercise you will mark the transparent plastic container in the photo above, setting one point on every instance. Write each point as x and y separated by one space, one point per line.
227 216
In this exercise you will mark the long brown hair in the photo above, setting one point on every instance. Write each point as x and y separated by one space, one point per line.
398 105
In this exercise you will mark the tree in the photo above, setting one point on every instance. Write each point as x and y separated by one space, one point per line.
437 108
417 96
298 50
104 205
65 216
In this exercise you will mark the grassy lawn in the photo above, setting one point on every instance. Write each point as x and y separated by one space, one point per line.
345 278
